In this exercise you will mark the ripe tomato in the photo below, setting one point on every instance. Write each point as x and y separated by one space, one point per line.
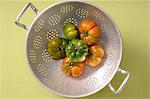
96 56
89 31
78 69
93 61
72 69
97 51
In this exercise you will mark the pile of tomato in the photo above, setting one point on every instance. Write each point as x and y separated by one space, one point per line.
79 47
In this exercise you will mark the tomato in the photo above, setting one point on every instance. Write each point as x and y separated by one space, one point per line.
97 53
72 69
66 66
70 30
64 42
76 50
55 47
89 31
93 61
78 69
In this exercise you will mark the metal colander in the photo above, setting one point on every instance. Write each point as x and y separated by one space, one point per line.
48 24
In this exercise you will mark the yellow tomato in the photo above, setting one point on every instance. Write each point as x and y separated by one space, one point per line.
97 53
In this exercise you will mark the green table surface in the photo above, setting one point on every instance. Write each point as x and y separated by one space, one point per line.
133 19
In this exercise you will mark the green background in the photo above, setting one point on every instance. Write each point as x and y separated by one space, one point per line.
133 19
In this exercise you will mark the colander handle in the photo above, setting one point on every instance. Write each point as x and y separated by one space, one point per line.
123 83
21 14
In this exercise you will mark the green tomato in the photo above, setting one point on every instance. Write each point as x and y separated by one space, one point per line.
76 50
64 42
56 47
70 31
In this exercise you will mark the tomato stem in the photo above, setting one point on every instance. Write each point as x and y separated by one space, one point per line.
85 33
71 64
89 53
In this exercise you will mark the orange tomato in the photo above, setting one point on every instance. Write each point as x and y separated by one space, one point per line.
65 66
93 61
97 53
72 69
78 69
89 31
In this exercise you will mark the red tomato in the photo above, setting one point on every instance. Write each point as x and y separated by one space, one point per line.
89 31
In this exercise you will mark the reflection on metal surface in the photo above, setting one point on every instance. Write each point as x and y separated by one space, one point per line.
45 56
37 42
53 20
81 12
98 14
39 26
110 65
42 70
32 56
52 33
66 8
91 82
72 20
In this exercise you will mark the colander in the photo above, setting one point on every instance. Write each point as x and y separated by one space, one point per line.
48 24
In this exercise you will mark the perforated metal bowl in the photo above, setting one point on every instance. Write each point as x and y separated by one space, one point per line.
50 23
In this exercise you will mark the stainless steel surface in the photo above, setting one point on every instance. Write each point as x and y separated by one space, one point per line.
50 23
21 14
123 83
